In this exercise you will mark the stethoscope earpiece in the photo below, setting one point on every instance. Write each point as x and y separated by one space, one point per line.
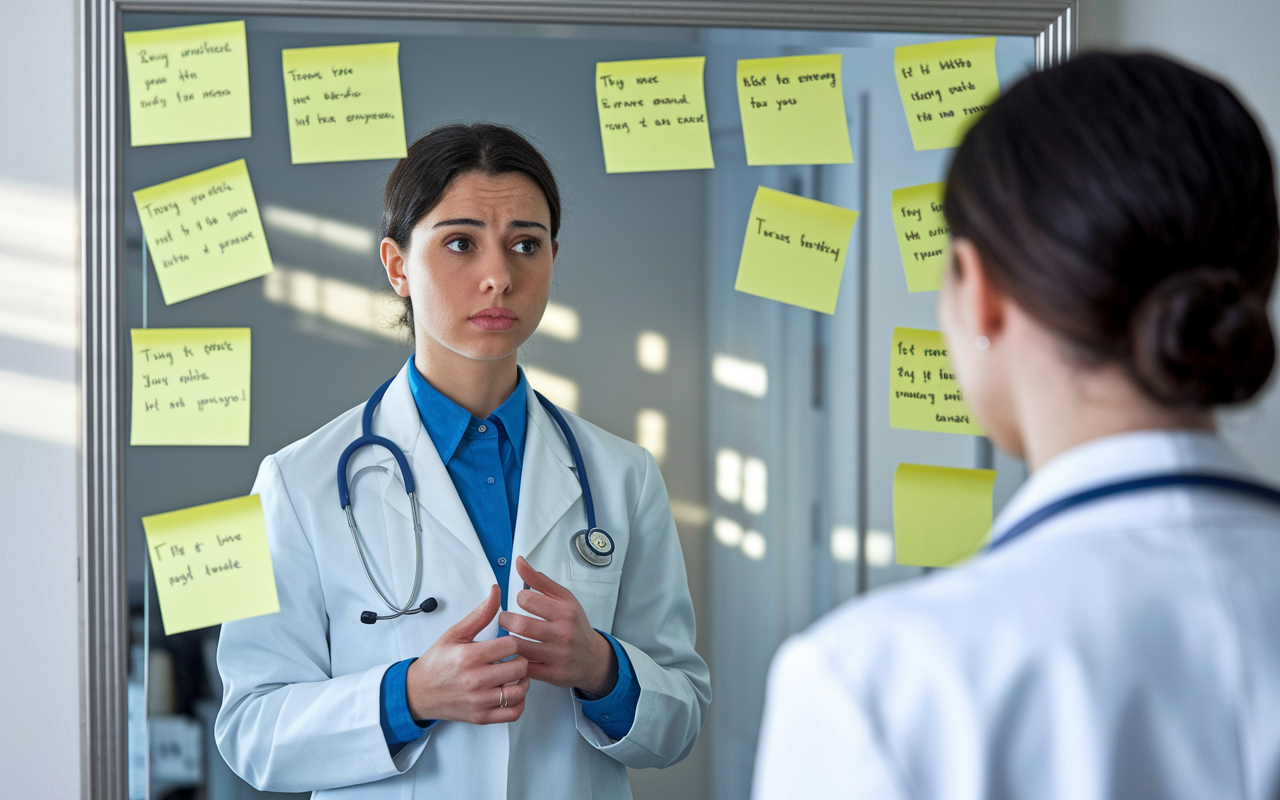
425 607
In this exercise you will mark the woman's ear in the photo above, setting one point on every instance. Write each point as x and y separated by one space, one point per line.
393 261
977 298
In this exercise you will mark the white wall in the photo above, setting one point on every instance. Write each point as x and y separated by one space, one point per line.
39 410
1235 41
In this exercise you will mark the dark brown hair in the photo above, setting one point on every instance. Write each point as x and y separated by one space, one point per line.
435 159
1128 203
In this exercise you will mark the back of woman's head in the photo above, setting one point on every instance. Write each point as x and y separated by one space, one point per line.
1128 203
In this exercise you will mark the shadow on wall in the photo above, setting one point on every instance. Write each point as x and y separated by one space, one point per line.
38 304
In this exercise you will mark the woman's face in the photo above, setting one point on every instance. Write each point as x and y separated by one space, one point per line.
478 270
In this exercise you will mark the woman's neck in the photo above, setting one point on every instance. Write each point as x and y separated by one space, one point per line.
478 386
1060 407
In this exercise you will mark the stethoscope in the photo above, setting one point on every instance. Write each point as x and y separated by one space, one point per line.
1220 482
594 544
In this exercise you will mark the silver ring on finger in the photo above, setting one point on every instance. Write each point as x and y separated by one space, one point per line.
502 698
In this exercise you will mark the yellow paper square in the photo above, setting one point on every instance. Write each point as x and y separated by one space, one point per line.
945 87
211 564
191 386
653 115
794 250
188 84
343 103
922 235
923 393
204 231
941 515
793 110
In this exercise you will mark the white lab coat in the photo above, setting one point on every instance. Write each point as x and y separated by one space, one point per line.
301 705
1129 648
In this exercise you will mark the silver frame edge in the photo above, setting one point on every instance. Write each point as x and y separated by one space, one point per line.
104 615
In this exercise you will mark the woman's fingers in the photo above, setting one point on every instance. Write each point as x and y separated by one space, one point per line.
491 650
469 627
537 580
503 673
528 627
540 605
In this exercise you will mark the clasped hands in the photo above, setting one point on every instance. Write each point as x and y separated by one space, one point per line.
461 679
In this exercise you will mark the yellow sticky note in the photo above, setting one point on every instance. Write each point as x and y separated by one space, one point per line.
204 231
793 110
653 115
922 235
923 393
941 515
211 564
945 87
188 84
794 250
343 103
190 386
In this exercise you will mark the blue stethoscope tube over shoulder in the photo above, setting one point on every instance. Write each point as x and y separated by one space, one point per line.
1146 483
593 544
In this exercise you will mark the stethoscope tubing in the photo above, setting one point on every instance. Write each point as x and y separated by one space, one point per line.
1146 483
367 438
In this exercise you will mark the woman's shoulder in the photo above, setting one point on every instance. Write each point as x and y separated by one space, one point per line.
320 447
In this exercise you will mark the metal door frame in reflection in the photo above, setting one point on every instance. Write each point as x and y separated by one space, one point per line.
103 582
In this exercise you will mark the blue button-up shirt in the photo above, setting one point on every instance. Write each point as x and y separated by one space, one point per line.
484 459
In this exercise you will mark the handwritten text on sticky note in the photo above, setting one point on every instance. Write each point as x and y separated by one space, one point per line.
204 231
190 386
343 103
653 115
923 393
945 87
941 515
793 110
922 235
794 250
188 84
211 564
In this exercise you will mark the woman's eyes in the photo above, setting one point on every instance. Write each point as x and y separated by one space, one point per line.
463 245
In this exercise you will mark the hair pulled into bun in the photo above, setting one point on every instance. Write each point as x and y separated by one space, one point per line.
1098 191
1197 340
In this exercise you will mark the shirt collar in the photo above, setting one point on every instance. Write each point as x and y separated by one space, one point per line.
1118 458
446 421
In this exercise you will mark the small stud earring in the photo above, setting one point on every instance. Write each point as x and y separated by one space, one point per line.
982 342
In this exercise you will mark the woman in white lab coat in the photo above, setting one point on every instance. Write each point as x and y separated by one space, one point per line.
332 697
1114 246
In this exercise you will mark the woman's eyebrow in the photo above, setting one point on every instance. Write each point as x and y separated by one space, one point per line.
475 222
521 223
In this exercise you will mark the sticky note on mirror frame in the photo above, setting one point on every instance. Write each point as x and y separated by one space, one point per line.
343 103
941 515
204 231
923 393
793 110
188 84
922 234
945 87
191 386
211 564
653 115
795 250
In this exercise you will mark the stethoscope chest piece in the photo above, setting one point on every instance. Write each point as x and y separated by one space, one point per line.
595 546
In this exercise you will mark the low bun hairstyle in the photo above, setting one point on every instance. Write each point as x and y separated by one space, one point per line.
1128 203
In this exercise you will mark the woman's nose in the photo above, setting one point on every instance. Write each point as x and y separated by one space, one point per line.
496 274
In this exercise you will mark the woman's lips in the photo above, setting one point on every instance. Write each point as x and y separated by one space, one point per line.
494 319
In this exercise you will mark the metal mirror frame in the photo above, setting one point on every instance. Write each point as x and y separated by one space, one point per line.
103 605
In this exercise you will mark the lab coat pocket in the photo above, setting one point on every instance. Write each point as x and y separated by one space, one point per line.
597 590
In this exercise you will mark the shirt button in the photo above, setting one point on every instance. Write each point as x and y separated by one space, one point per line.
490 479
502 561
483 428
604 716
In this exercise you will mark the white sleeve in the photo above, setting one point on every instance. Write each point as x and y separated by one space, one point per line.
286 724
815 739
654 623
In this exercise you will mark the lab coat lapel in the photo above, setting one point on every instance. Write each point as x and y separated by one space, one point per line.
397 419
548 485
